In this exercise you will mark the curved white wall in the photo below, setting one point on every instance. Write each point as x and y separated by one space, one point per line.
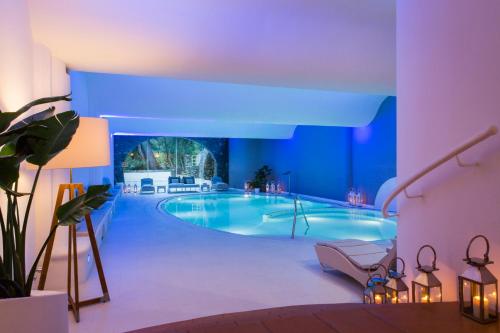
160 105
448 90
28 71
384 191
16 84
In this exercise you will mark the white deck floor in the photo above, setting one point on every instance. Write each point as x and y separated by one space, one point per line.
160 270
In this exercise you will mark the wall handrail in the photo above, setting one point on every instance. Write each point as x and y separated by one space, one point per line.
493 130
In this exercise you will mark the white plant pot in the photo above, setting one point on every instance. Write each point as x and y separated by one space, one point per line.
44 311
257 190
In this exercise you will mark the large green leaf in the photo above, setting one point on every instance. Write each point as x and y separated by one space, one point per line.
9 166
46 138
73 211
42 115
6 118
11 136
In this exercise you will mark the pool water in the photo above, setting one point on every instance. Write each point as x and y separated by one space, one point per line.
270 215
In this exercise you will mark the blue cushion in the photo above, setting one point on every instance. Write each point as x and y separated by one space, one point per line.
174 180
188 180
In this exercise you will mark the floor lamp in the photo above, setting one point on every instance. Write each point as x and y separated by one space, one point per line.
88 148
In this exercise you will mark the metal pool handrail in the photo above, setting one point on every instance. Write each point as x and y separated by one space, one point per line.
493 130
295 200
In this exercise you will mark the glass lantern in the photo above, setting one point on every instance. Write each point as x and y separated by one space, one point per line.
478 287
374 292
396 289
426 287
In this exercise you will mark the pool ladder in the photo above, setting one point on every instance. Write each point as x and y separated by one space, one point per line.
295 201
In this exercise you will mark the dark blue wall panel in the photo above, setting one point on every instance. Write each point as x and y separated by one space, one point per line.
374 150
325 161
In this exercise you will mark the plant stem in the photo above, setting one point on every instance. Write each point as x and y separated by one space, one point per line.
20 253
25 222
31 274
4 231
30 200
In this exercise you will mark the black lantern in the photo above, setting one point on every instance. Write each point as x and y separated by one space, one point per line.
478 288
396 289
374 292
426 286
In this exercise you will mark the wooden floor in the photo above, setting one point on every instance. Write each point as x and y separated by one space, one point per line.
340 318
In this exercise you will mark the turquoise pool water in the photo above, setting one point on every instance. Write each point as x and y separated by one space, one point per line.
273 216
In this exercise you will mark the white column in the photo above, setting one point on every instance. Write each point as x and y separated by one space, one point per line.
448 87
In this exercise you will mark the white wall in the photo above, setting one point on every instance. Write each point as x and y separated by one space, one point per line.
16 87
448 88
49 79
29 71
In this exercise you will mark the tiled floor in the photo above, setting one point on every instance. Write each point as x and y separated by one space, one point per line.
162 270
335 318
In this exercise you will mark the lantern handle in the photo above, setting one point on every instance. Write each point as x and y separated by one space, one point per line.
374 268
486 255
395 263
433 260
370 277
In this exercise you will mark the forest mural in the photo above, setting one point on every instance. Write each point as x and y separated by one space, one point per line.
202 158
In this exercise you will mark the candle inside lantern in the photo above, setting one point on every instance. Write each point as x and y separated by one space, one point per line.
425 298
394 300
378 299
476 307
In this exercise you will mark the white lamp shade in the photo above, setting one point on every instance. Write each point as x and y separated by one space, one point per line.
89 147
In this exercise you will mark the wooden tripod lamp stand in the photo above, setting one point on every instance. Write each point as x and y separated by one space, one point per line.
88 148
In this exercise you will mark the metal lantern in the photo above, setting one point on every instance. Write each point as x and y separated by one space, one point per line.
396 289
478 288
374 292
426 287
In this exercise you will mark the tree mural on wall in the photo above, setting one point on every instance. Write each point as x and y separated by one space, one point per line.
200 157
209 166
180 156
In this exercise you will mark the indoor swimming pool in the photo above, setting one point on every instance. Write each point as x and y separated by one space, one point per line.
273 215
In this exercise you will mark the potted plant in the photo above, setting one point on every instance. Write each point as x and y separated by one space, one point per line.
36 139
261 177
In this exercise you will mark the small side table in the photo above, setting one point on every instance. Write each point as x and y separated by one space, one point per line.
205 187
161 187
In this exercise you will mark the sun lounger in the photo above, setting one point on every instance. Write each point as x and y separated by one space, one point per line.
218 184
186 184
147 186
355 257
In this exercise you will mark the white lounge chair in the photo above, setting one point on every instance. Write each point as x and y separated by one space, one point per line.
355 257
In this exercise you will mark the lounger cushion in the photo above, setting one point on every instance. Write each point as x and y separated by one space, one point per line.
365 261
188 180
216 180
361 253
174 180
343 242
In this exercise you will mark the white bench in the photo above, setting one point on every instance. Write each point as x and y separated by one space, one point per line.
101 218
